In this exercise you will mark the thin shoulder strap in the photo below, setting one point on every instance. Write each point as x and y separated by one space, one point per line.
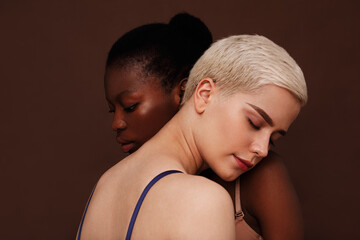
83 217
141 199
239 215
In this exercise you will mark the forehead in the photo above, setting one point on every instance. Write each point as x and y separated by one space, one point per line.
129 78
281 105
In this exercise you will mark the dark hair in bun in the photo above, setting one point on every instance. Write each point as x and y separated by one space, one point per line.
166 51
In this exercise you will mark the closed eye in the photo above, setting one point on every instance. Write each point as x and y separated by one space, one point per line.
271 142
253 125
130 108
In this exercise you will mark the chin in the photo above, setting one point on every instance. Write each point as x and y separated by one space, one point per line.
138 145
229 177
133 150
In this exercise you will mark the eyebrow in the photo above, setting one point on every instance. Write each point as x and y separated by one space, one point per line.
266 117
119 96
124 93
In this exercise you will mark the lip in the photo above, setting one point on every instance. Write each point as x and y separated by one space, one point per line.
126 146
243 164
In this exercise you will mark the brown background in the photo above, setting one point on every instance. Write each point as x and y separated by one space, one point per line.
56 138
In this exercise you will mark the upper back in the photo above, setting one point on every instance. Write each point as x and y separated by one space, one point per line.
179 205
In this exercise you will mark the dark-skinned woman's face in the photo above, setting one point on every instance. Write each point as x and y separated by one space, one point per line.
140 105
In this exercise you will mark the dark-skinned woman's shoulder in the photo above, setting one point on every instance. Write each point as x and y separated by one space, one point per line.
267 192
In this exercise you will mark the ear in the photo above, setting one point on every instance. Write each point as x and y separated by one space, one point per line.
203 94
178 91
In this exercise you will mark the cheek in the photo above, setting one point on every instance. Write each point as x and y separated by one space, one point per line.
150 118
232 127
222 131
158 112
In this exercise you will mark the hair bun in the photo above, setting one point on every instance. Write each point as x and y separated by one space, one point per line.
191 30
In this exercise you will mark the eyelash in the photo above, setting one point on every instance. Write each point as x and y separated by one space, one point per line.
253 125
258 128
126 109
130 108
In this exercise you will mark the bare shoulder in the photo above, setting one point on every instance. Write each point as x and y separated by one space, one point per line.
102 205
206 204
269 195
206 193
203 194
196 208
271 169
201 186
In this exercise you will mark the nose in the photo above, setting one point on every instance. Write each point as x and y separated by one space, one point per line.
118 122
260 147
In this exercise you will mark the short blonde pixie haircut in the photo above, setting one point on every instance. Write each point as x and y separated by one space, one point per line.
246 63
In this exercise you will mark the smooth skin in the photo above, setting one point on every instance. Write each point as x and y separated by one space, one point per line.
140 105
178 207
268 198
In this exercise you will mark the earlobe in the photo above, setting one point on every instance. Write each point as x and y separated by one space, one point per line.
203 94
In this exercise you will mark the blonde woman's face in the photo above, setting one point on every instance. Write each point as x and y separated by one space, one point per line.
237 131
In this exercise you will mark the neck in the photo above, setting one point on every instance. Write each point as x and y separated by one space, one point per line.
177 141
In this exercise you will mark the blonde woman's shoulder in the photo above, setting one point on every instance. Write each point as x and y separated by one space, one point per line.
186 207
